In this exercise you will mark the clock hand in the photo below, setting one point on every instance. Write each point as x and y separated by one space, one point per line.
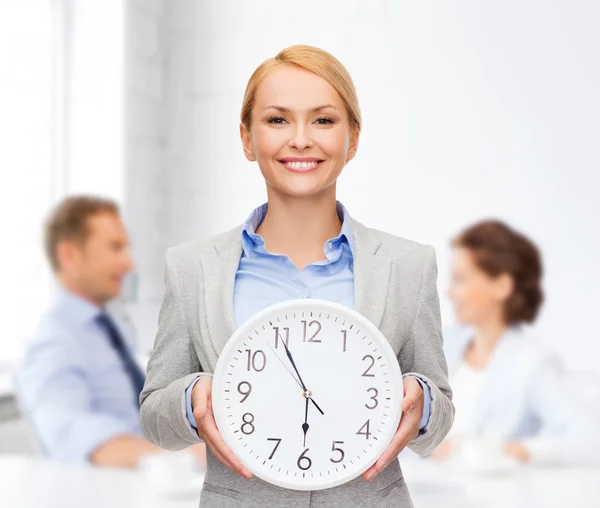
286 367
289 355
317 405
305 424
292 374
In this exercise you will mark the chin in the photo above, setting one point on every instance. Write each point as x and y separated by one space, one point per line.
113 293
303 190
461 319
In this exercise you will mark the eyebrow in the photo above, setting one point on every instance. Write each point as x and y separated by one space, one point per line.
313 110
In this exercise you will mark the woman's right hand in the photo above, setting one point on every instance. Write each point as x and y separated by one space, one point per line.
443 451
207 427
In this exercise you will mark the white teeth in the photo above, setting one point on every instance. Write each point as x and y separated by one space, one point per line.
301 165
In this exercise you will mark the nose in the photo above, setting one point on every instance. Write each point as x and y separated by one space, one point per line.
300 138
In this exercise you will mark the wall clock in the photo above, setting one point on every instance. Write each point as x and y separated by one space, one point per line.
307 393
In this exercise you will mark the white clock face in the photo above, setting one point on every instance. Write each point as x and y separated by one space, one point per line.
327 434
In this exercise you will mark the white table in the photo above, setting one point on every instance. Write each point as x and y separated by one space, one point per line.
28 482
6 383
435 485
32 482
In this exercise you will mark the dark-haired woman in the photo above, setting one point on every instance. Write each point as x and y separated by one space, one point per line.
508 389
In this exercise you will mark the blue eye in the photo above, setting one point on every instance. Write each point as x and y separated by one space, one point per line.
276 120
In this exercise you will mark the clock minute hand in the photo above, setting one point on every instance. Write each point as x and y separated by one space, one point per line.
289 355
286 367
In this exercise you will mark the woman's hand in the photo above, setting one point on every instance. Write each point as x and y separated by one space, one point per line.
412 412
207 427
443 451
517 451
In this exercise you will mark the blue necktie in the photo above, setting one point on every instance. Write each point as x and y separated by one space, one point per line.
135 374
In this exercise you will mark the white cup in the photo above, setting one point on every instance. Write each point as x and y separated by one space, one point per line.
167 471
484 455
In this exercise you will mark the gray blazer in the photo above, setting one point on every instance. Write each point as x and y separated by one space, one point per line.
394 287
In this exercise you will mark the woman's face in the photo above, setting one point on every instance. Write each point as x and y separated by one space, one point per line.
476 296
300 134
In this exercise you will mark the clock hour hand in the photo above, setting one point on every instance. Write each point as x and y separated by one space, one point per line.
305 424
317 406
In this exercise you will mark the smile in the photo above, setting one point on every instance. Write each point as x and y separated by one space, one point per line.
306 165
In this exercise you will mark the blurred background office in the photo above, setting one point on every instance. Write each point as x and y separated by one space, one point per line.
483 110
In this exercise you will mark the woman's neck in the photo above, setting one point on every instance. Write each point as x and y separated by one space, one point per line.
298 228
486 338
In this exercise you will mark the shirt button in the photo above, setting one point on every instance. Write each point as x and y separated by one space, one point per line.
330 246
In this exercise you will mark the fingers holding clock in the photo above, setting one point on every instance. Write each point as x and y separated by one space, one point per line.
215 442
207 427
412 409
413 396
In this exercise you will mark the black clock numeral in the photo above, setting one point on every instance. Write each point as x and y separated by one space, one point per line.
313 322
344 333
287 336
366 432
252 360
373 398
303 457
247 418
335 449
366 372
278 439
246 392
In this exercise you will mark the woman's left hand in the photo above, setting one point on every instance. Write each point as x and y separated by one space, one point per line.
517 451
412 412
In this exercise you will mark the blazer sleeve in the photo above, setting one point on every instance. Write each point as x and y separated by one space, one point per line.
422 355
173 365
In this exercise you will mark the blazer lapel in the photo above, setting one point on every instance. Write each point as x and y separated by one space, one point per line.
219 272
372 268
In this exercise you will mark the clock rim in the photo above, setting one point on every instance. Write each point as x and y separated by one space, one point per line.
219 377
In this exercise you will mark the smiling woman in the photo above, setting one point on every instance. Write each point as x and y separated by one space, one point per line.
300 122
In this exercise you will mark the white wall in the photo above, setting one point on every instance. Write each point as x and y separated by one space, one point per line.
145 174
28 170
94 161
471 110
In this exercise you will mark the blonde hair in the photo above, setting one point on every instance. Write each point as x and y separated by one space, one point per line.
314 60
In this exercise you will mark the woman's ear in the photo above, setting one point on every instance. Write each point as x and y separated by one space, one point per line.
353 146
504 286
247 142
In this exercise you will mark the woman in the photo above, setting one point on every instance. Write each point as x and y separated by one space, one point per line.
507 386
301 122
